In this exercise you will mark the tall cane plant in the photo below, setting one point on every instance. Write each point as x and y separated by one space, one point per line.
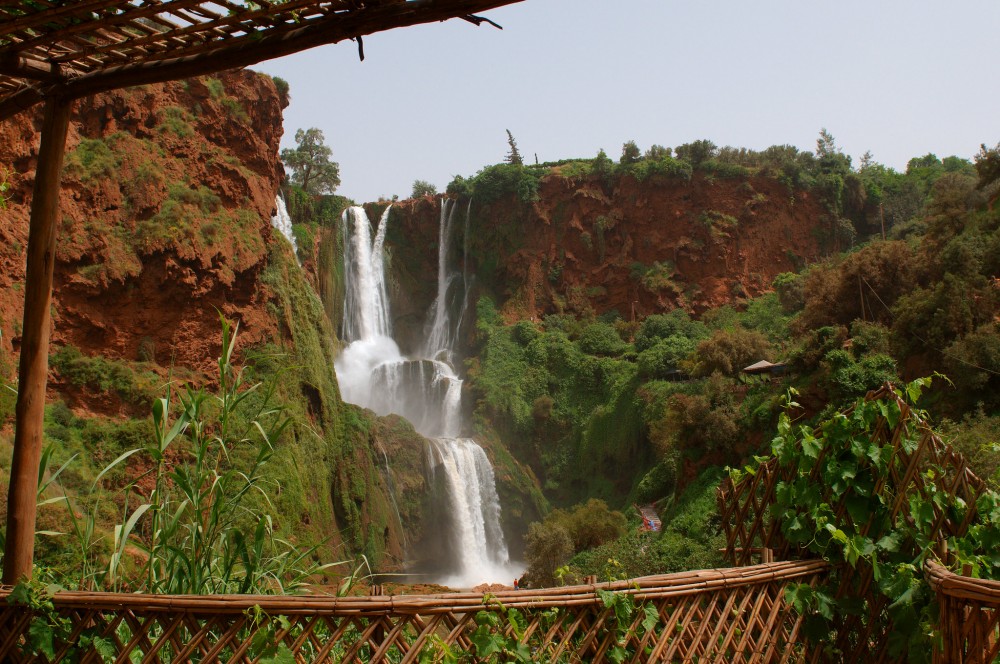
204 527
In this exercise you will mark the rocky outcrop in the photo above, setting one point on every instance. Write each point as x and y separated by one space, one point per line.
166 200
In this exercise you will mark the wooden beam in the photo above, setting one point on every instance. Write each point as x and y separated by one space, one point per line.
250 49
34 361
13 64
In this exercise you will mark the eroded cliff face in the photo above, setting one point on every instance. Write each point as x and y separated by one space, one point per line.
166 199
589 246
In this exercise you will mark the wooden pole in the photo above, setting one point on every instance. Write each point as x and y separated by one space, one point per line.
34 361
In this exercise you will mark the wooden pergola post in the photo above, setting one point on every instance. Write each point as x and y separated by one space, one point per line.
34 361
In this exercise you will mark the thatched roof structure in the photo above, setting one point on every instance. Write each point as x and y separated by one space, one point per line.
75 48
57 51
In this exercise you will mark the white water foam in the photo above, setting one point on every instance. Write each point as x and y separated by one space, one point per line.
283 223
427 391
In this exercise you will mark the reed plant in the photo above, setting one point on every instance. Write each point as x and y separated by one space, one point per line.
205 526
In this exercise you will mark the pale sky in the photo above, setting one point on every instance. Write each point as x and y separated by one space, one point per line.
568 77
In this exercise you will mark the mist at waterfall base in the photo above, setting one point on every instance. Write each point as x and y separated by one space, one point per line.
469 547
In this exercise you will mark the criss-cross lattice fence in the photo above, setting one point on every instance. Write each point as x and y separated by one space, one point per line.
728 615
969 621
749 526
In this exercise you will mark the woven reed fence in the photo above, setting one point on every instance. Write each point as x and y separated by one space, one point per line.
727 615
749 528
969 612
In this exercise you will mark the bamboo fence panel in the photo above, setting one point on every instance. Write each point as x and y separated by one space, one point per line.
969 622
726 615
749 527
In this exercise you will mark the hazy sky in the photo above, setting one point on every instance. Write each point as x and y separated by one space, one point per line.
568 77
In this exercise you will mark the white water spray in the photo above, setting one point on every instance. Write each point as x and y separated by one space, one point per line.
427 391
283 223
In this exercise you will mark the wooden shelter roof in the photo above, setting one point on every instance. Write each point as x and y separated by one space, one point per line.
74 48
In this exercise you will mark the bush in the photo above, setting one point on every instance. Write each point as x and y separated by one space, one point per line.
697 152
728 351
423 188
547 547
660 482
563 533
690 539
662 326
282 86
789 287
92 160
851 378
502 180
665 356
601 339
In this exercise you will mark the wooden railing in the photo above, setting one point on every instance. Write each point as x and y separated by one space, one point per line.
969 621
726 615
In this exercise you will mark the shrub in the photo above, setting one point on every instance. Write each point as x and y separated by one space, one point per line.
664 358
91 160
661 326
789 287
659 482
851 378
282 86
547 547
662 166
422 188
728 351
601 339
215 87
697 152
177 121
502 180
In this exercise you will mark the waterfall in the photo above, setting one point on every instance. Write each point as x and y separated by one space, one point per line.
427 391
283 223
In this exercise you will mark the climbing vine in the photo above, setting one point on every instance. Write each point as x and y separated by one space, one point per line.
846 497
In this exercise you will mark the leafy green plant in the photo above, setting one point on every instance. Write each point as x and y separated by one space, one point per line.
844 458
47 628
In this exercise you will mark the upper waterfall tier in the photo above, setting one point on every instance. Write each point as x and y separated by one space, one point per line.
366 305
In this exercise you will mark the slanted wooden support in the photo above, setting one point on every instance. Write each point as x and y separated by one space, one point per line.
34 362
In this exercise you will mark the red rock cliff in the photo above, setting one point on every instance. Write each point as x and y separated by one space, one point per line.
166 200
639 247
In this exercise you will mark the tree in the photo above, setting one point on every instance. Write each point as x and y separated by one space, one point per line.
310 163
602 164
697 153
630 153
423 188
988 165
656 152
514 156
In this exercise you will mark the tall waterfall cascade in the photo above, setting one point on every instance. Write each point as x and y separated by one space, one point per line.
282 222
426 390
